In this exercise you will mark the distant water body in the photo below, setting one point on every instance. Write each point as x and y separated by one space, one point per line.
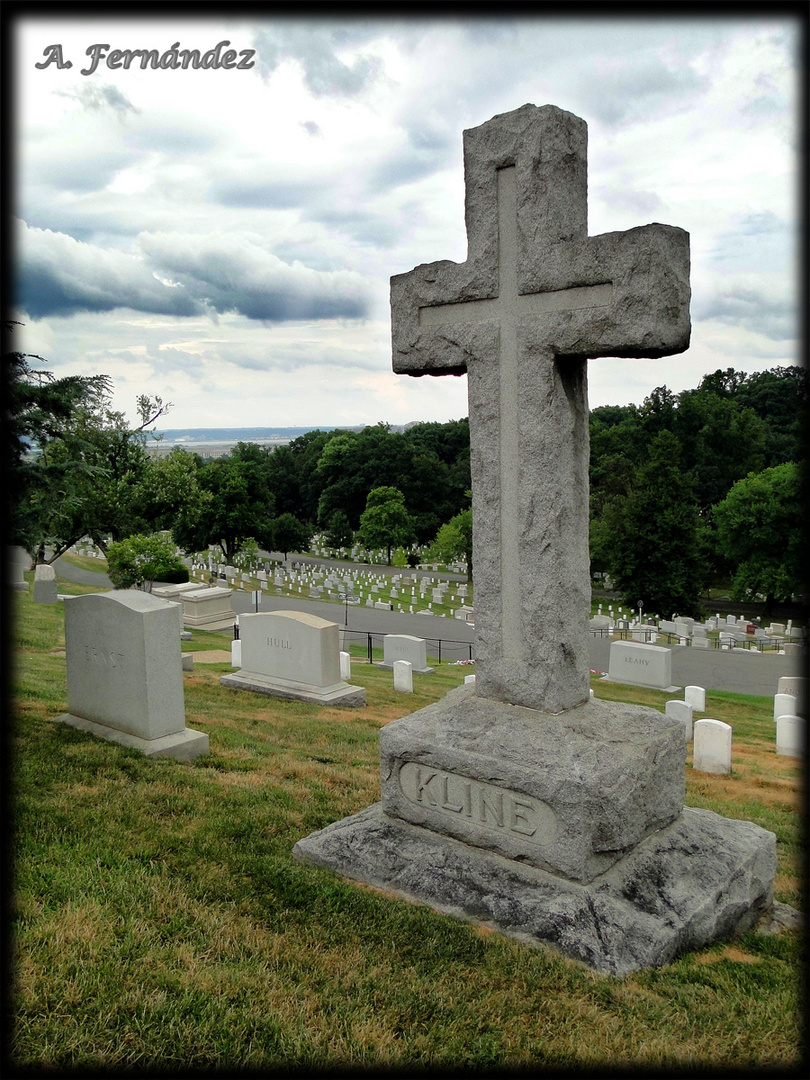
216 441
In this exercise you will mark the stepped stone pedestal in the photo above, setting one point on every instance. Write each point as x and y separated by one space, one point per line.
567 830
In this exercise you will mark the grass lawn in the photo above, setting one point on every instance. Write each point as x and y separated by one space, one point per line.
159 921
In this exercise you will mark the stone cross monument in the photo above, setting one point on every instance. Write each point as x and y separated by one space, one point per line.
519 801
534 301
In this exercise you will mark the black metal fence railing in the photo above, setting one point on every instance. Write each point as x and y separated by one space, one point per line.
443 649
446 649
757 644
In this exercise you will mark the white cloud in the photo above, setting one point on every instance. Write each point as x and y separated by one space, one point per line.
229 236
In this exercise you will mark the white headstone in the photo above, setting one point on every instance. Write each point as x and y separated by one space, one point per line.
640 665
403 676
696 697
125 673
790 734
784 705
797 686
681 711
406 647
712 746
45 585
345 665
295 655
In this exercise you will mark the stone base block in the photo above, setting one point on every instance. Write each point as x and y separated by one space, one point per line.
212 626
570 793
416 670
342 695
699 879
183 745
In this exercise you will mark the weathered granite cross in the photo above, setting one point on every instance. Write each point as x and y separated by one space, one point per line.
535 299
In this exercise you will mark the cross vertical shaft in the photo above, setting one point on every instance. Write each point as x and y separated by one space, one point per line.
534 301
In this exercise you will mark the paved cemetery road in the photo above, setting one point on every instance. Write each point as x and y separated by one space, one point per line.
69 572
361 620
712 669
456 636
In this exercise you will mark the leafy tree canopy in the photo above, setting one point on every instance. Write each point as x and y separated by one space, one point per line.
385 522
139 561
761 529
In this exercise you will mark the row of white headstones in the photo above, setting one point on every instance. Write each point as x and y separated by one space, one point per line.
403 593
711 739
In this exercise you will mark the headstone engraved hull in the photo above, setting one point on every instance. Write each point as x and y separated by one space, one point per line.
294 655
516 801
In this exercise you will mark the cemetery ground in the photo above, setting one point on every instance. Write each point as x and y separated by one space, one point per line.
158 920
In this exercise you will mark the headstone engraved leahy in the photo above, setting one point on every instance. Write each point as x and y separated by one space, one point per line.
519 801
125 673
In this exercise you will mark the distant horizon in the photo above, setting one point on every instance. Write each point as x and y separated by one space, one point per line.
225 434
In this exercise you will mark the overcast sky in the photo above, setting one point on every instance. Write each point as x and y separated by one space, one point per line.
225 237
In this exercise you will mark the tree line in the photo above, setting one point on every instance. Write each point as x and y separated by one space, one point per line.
687 490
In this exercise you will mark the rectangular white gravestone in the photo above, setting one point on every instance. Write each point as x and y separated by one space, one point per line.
403 676
790 735
681 711
640 665
295 655
519 800
696 697
784 705
797 686
711 752
125 673
406 647
45 585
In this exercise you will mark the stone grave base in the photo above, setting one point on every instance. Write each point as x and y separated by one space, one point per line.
701 878
568 829
341 695
415 670
183 745
215 627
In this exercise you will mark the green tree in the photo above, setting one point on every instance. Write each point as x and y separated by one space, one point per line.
105 463
38 410
339 532
236 503
654 550
385 523
760 528
286 533
139 561
454 541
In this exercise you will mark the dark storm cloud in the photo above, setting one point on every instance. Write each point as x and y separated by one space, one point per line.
236 274
58 275
180 275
